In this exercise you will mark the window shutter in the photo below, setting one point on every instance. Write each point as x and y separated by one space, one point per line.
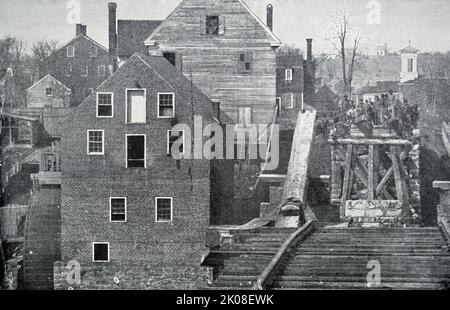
221 24
203 24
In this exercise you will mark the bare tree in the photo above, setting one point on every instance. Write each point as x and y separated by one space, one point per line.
42 49
339 39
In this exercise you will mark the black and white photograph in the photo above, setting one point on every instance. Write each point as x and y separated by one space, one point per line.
214 146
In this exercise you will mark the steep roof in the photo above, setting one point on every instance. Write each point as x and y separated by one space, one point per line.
275 40
48 76
132 33
325 97
77 37
181 83
175 79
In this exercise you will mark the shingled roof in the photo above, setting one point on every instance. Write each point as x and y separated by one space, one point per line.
131 35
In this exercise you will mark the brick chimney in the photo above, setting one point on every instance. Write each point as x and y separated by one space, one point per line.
309 74
78 29
112 32
270 16
309 49
84 30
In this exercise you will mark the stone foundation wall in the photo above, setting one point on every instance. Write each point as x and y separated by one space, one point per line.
131 277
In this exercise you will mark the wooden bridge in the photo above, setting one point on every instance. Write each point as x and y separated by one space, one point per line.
315 255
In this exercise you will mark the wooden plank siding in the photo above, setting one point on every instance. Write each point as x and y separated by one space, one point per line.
10 219
212 61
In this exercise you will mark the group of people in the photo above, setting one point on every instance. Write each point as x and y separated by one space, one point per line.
386 111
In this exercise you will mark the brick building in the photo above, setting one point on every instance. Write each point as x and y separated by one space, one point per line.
127 205
290 86
81 64
48 92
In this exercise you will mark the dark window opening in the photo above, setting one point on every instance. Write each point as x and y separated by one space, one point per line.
136 151
163 209
93 51
410 65
245 62
171 138
171 57
118 210
212 24
101 252
49 91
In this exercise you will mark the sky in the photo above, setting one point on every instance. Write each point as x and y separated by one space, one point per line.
425 22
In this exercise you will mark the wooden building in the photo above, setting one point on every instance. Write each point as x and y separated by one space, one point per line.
228 52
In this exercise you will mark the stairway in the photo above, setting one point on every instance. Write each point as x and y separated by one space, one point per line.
337 258
245 259
42 238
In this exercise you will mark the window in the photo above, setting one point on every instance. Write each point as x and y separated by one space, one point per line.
410 65
171 138
101 71
105 104
288 75
49 91
245 62
289 101
85 72
212 24
70 51
163 209
171 57
118 209
95 142
278 103
245 116
68 70
166 105
100 251
136 106
135 151
93 51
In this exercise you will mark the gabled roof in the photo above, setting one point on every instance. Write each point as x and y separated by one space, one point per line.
78 36
132 33
52 78
275 40
326 93
409 49
179 82
173 78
